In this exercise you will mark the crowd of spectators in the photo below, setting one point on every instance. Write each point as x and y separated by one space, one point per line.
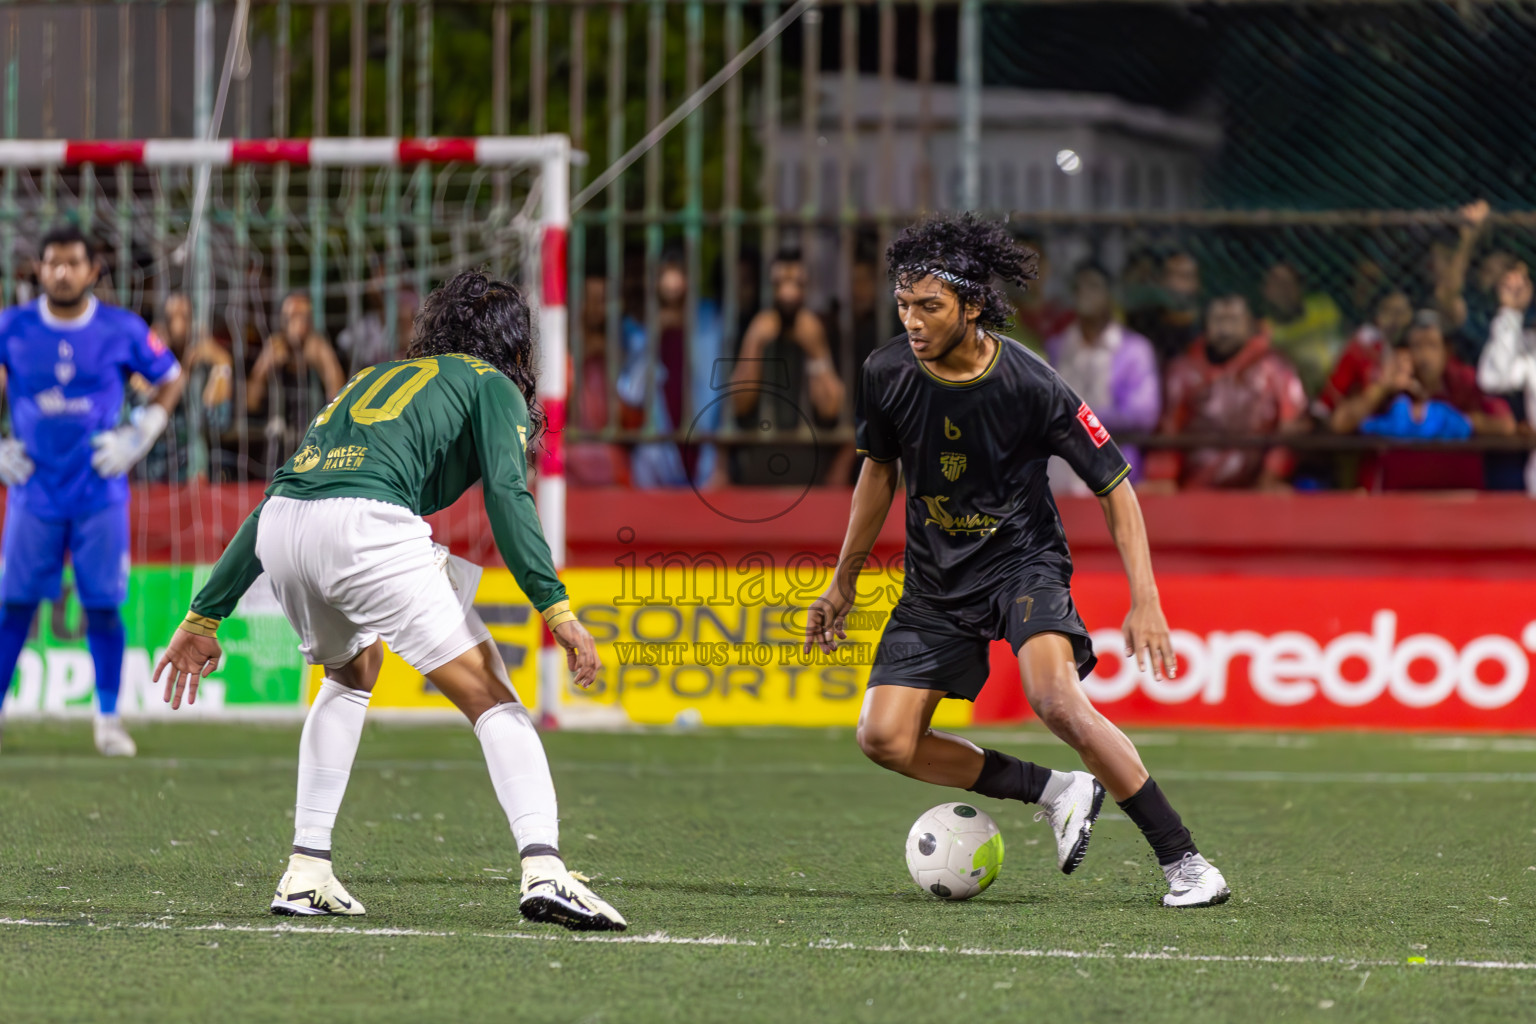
667 394
1441 355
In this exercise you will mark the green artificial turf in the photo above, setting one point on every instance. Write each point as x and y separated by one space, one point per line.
1349 856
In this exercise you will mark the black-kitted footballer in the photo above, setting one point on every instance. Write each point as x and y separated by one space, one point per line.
972 418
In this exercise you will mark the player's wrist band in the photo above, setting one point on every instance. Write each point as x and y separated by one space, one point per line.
202 625
557 613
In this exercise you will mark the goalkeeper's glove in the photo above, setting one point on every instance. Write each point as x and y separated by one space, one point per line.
15 467
118 450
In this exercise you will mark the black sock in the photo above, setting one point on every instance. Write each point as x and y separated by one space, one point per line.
1160 823
306 851
538 850
1005 777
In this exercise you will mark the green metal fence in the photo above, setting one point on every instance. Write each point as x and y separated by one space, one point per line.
1339 137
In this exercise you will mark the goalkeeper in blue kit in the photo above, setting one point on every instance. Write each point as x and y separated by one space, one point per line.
66 358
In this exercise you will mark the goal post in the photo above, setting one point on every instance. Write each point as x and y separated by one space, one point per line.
542 237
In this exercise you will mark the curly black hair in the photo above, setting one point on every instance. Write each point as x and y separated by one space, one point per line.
970 252
476 315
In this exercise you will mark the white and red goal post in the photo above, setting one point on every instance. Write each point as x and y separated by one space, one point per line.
549 156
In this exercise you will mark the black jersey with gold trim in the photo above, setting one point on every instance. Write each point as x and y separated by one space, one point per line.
979 509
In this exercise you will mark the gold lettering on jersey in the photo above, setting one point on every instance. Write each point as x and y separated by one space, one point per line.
349 456
977 523
522 435
950 430
307 458
480 366
952 464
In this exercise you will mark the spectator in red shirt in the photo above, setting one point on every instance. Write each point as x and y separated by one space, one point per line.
1368 351
1421 378
1229 382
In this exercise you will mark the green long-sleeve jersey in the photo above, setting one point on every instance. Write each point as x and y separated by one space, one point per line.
415 433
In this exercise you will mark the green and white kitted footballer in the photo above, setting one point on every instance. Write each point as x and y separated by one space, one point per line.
341 537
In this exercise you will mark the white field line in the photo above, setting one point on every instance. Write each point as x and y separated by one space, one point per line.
663 939
763 768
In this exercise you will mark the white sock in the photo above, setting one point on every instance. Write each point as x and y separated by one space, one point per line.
1057 786
520 773
326 751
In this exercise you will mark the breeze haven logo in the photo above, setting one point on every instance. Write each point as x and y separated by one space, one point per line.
1291 668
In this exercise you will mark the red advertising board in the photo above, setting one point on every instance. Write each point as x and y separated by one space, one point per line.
1289 652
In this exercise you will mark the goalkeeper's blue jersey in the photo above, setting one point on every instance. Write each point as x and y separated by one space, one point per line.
65 382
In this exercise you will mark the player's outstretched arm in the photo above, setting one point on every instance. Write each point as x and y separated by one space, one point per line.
194 652
1146 630
501 421
872 497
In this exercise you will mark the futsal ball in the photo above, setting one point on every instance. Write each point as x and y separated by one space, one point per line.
954 851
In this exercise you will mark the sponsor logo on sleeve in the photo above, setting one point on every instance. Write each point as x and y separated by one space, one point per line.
1090 422
155 344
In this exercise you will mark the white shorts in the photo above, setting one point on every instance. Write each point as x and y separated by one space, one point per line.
348 571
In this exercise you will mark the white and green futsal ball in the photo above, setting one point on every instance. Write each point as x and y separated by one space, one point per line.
954 851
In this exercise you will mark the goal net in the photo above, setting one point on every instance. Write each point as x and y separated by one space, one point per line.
339 238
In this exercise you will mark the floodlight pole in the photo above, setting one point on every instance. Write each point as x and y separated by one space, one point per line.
970 104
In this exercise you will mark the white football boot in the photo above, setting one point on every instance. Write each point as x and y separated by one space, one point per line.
555 895
112 740
1194 881
309 888
1072 815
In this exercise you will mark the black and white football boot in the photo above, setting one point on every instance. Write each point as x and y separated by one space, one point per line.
309 889
1194 881
554 895
1071 816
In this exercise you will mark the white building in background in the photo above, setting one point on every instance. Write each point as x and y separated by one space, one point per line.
1127 157
69 77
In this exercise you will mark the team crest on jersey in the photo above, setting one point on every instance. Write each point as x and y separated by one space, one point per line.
1090 422
64 369
952 464
307 459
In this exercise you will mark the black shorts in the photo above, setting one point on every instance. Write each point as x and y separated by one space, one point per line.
932 648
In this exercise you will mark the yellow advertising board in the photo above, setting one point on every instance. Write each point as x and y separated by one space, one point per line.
715 645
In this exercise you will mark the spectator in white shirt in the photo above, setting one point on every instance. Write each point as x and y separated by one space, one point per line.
1508 361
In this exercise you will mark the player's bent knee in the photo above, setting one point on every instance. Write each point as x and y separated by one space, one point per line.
1069 716
469 680
887 748
362 672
